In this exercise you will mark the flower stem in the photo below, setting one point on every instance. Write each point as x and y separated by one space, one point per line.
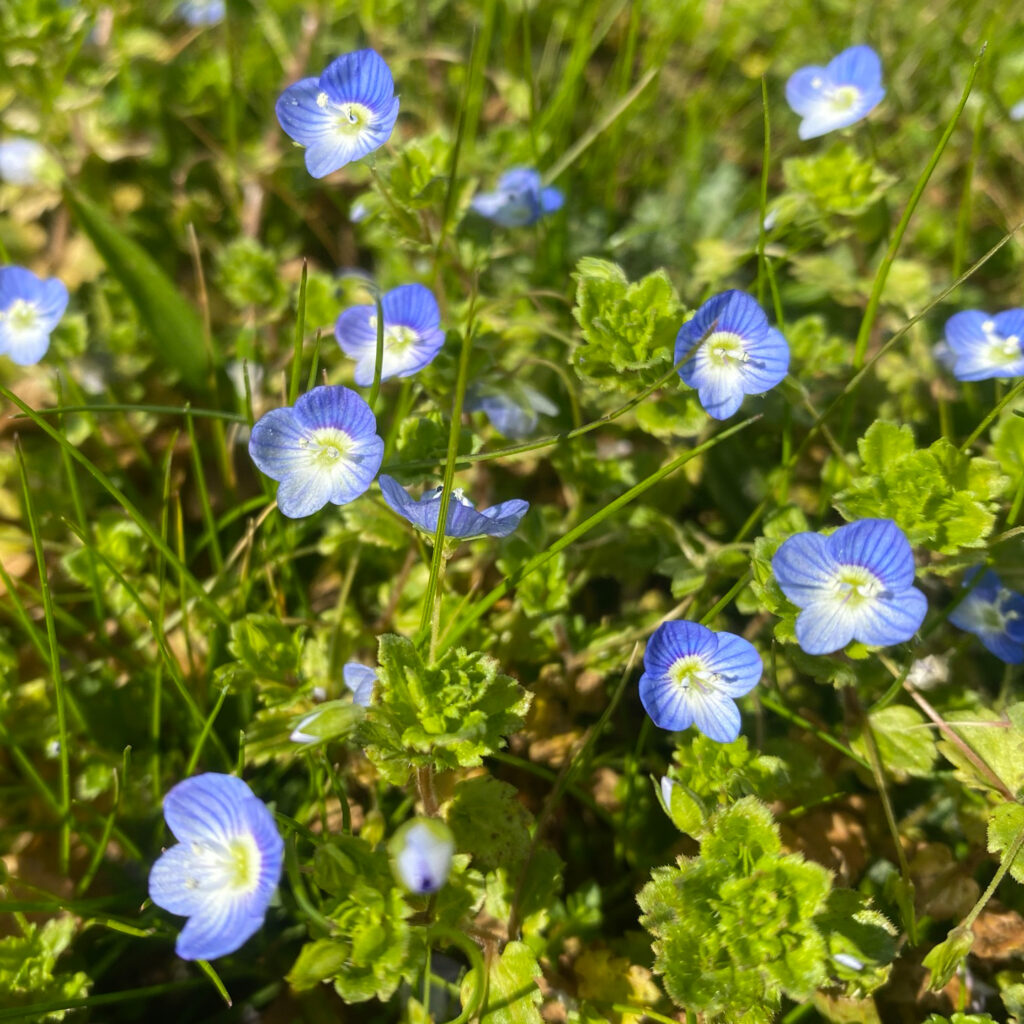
379 359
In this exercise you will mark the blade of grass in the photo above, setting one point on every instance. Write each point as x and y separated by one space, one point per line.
56 677
881 275
300 330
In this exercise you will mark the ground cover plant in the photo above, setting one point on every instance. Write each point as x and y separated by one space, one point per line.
510 511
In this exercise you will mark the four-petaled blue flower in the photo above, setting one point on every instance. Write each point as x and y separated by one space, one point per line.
22 161
519 200
360 679
349 111
855 584
994 614
324 449
421 852
513 410
199 13
412 333
463 519
692 676
838 95
30 308
986 346
737 353
223 872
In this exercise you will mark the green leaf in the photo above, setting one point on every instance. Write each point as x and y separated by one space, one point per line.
489 822
997 740
28 962
1004 826
447 715
172 320
857 935
905 743
628 329
512 992
940 497
734 927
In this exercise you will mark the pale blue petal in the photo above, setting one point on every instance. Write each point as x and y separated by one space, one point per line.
878 545
425 858
223 926
360 77
716 716
462 521
335 406
360 679
52 302
1010 322
411 305
767 362
1003 647
804 568
678 639
505 516
667 704
259 822
332 152
737 665
24 348
355 333
520 179
857 65
301 117
168 880
275 444
551 199
964 331
804 88
824 627
207 808
720 392
891 619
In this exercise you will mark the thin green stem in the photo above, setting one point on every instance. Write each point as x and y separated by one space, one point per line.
1010 395
882 274
378 362
300 331
511 582
59 697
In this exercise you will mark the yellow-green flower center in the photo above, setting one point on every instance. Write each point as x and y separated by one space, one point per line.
691 672
856 585
21 315
725 349
327 445
350 118
234 866
844 98
1001 350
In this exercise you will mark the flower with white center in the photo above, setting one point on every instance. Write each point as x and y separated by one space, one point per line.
730 351
349 111
693 675
199 13
324 449
22 161
30 308
360 679
463 520
421 854
843 92
513 410
223 871
855 584
520 199
412 333
994 614
986 346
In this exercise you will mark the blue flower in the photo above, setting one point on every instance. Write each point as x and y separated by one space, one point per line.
738 353
22 161
855 584
463 519
838 95
30 308
412 333
223 872
360 680
421 852
994 614
692 676
324 449
349 111
986 346
202 12
514 410
519 200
